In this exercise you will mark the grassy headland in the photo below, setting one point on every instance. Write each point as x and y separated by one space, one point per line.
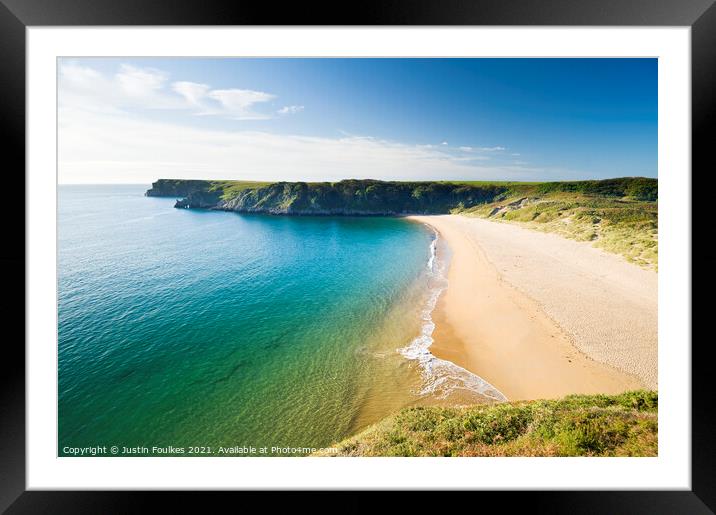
577 425
618 215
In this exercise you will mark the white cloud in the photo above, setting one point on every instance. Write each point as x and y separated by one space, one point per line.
471 158
82 87
117 147
148 88
75 76
140 82
238 103
484 149
290 109
194 93
105 137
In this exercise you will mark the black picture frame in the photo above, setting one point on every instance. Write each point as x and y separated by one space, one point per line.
16 15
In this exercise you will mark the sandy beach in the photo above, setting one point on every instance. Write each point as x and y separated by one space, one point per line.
540 316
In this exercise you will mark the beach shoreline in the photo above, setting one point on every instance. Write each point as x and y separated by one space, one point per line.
539 316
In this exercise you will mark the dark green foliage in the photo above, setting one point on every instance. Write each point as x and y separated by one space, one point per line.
501 424
358 197
639 188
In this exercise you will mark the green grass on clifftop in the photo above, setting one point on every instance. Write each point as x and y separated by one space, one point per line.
230 189
577 425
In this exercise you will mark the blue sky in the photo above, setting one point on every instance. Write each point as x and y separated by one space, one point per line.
135 120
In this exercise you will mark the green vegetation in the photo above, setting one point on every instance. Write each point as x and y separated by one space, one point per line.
577 425
353 197
349 197
231 189
622 225
617 215
639 188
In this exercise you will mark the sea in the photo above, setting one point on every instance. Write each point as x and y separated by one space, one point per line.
195 332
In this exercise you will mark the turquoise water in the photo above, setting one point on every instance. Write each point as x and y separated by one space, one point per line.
197 328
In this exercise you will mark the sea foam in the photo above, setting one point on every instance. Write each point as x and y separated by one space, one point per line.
441 377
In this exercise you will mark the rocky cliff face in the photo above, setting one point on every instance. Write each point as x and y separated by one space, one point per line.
350 197
201 199
356 198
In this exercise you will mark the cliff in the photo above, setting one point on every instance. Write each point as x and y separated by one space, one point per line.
372 197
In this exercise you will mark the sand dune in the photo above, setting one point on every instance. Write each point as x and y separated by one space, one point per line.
537 315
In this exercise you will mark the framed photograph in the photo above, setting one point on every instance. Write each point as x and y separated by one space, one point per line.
433 247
